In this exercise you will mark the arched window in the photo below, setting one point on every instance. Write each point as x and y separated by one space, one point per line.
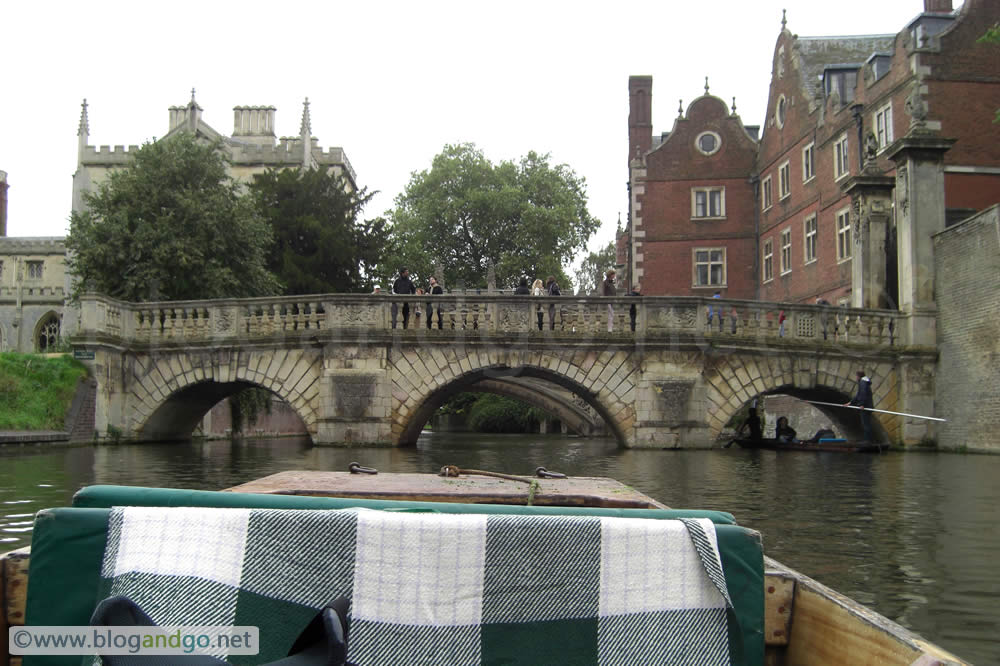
47 336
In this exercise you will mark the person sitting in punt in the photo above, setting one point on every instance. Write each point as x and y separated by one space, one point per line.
784 432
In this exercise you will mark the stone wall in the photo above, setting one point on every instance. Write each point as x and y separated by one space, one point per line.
967 263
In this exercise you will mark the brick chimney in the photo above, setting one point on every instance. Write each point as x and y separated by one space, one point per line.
3 203
938 6
640 111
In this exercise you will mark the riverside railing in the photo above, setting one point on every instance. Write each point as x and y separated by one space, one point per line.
563 316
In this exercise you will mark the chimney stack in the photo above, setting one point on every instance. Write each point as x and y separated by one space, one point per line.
640 112
3 203
938 6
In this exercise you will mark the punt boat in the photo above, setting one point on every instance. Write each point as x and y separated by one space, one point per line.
804 622
829 445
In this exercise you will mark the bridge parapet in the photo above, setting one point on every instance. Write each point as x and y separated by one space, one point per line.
646 317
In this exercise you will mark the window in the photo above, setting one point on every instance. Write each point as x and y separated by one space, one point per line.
786 251
48 332
35 270
844 235
708 143
808 163
840 166
1 270
767 266
779 113
784 180
883 126
841 83
809 234
766 187
708 202
709 267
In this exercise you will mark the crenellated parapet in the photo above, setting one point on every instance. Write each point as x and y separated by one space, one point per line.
25 245
118 155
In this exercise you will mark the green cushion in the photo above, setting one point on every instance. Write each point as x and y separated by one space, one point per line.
109 496
68 548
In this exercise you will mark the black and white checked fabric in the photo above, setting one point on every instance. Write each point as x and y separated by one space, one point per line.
429 588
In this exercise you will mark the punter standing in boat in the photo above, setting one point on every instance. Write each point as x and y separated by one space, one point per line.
751 424
863 399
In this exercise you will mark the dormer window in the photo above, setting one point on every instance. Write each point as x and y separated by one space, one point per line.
842 82
880 63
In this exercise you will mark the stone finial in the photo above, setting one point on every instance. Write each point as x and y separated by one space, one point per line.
734 106
306 128
619 224
706 85
84 128
680 108
491 276
306 134
784 22
192 96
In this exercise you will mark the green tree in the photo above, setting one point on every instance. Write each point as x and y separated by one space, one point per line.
529 218
172 225
592 269
320 246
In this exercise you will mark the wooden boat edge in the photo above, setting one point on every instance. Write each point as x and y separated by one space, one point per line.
806 622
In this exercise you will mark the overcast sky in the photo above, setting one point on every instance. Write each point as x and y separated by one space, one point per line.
391 83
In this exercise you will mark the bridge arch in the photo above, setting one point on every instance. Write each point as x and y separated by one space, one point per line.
171 393
605 381
732 384
578 419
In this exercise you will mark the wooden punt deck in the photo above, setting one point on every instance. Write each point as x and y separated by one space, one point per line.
468 488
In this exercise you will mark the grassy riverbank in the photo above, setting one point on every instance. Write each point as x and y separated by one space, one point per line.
36 391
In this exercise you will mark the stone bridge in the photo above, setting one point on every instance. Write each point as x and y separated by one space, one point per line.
675 380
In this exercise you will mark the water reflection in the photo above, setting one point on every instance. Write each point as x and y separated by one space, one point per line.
910 535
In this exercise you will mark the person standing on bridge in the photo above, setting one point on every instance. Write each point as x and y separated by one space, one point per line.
538 289
609 289
434 289
863 399
402 286
552 288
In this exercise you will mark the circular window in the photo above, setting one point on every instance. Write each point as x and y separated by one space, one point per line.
708 143
779 114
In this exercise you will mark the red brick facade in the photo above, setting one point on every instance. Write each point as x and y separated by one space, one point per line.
695 197
788 229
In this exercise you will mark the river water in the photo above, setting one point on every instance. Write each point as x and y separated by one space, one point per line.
910 535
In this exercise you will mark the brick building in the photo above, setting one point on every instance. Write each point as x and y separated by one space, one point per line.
871 144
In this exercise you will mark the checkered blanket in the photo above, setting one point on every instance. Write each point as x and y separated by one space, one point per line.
431 588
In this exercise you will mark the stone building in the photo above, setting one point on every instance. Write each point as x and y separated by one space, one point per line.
870 145
34 283
33 289
252 148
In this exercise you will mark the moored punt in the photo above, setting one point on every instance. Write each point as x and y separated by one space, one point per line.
804 622
836 446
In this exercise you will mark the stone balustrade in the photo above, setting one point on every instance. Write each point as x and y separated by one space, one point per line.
466 313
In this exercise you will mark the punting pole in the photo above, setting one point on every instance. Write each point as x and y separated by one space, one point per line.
872 409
